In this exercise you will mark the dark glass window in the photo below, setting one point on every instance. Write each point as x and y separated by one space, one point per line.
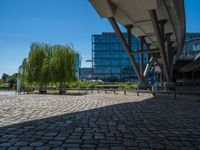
115 70
115 62
115 47
102 70
125 62
102 62
102 55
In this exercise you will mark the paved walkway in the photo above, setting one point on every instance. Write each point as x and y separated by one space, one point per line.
99 121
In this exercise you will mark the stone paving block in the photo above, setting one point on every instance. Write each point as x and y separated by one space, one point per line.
55 143
58 148
36 144
42 148
13 148
26 148
74 149
118 148
70 145
6 144
77 141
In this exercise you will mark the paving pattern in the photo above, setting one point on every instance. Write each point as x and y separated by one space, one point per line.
99 122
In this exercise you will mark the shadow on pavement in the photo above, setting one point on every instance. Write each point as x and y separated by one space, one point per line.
155 123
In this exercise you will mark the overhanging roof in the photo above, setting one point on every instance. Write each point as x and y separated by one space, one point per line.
136 12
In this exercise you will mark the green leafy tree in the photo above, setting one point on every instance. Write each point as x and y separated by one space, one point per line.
63 66
13 80
35 63
23 72
48 64
5 77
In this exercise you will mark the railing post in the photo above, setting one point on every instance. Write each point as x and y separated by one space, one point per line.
153 89
154 93
174 93
124 92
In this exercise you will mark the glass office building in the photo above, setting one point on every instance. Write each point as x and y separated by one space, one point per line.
191 47
192 35
110 61
77 64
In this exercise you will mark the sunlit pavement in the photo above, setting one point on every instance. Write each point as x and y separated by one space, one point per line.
7 92
99 121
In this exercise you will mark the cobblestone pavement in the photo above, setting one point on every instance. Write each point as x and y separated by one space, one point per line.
99 121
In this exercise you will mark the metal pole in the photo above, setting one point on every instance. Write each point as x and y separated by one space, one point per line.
161 41
148 66
123 42
141 55
129 27
170 56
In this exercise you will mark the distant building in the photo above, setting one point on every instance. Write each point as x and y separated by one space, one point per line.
191 47
192 35
85 73
77 65
110 61
187 63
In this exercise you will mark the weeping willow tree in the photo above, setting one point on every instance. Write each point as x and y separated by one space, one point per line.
23 72
48 64
63 66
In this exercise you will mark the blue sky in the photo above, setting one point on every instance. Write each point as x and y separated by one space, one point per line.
57 22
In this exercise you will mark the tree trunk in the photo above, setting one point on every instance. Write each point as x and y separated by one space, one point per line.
42 90
61 89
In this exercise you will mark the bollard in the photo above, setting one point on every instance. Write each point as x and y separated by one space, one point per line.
154 94
124 92
105 91
154 89
137 93
114 91
174 95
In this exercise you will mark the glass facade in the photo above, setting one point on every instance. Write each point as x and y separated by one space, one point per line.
190 36
191 47
110 61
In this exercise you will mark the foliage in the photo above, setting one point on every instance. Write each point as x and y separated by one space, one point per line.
8 81
5 77
63 65
5 85
128 85
47 65
81 84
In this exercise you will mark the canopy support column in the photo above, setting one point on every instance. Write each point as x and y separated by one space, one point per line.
161 41
126 46
170 56
141 55
149 65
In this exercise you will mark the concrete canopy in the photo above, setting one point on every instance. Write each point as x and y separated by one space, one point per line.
136 12
159 23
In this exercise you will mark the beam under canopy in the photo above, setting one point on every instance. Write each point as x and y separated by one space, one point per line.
161 41
127 48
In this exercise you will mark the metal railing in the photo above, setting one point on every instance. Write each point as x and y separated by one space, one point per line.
155 91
